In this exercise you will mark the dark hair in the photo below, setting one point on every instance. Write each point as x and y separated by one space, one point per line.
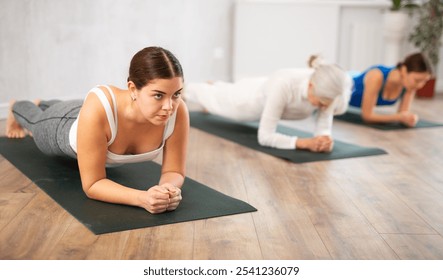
153 63
416 62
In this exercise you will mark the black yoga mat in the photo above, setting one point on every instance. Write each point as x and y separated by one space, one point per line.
60 179
355 118
246 134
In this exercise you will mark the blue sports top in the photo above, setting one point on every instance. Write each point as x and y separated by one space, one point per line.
358 89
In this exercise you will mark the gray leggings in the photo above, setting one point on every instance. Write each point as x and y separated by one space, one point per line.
49 124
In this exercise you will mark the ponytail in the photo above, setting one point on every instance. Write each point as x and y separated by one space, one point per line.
315 61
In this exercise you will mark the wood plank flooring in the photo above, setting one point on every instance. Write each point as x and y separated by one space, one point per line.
377 207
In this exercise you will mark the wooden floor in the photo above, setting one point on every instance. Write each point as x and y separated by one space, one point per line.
379 207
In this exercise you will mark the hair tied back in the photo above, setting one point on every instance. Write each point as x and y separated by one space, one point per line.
315 61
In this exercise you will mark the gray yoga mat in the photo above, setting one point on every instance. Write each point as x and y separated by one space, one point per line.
355 118
60 179
246 134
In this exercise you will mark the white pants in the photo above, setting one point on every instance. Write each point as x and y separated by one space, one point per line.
241 101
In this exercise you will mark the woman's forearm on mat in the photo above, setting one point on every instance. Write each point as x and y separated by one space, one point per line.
110 191
379 118
171 177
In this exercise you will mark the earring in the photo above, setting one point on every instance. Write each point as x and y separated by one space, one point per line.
133 97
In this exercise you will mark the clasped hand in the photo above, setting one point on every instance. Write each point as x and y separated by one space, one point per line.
323 143
161 198
409 119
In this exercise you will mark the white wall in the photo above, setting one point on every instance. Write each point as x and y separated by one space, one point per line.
274 34
62 48
269 35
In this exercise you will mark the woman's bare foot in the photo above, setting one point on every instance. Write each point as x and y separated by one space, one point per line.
13 128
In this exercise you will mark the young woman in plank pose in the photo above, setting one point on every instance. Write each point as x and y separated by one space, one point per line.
114 126
382 85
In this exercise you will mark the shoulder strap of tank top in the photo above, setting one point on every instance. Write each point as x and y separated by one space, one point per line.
107 106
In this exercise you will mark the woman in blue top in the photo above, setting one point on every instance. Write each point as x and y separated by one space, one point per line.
383 85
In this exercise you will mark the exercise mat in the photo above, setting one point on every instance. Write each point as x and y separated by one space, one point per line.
355 118
246 134
60 179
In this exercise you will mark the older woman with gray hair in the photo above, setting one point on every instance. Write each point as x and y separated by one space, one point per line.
288 94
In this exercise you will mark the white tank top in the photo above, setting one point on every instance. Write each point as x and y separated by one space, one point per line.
116 159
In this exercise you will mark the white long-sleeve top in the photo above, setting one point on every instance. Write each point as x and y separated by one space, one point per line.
282 96
287 99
